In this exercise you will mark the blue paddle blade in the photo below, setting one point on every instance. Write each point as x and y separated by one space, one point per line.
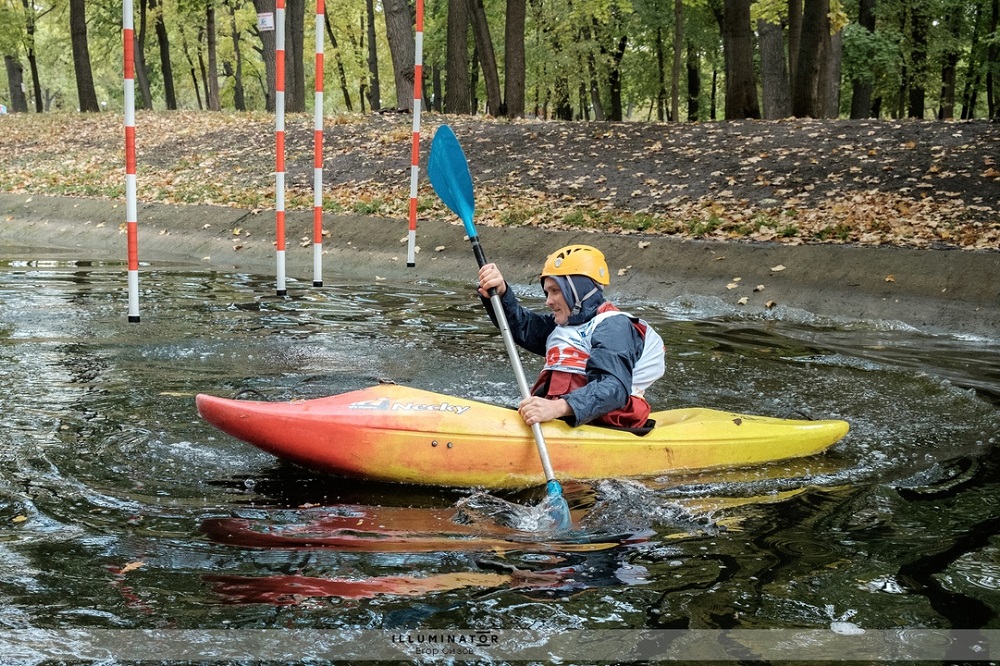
556 506
449 173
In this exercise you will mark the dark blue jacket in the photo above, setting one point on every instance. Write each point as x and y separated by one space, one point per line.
616 348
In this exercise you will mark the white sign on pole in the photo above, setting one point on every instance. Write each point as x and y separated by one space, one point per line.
265 21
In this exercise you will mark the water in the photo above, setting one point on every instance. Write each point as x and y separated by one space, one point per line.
111 486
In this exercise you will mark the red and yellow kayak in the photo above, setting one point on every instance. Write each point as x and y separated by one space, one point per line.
399 434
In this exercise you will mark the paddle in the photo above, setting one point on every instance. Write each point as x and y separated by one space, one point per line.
449 174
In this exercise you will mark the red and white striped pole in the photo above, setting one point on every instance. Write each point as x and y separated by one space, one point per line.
318 151
131 224
418 88
279 135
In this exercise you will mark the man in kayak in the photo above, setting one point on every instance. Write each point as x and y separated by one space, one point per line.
598 360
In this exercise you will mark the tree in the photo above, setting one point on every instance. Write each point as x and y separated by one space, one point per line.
487 56
86 92
737 44
15 77
773 70
139 50
295 74
266 51
374 89
514 58
806 100
399 33
341 71
31 16
456 89
239 94
212 78
675 72
163 41
862 84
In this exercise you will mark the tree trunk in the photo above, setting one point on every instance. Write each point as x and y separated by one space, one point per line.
661 80
833 49
194 73
595 87
675 75
29 26
972 72
437 87
267 52
918 61
949 69
399 34
993 57
737 41
213 58
776 92
85 90
615 80
15 79
341 71
170 97
202 67
456 88
295 73
487 56
374 86
139 51
562 110
862 86
806 90
239 96
794 39
514 59
693 83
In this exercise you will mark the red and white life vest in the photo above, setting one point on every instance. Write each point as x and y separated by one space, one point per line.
568 349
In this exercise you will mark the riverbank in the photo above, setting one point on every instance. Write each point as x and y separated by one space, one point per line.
937 290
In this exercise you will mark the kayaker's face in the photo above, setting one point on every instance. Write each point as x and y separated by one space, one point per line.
555 301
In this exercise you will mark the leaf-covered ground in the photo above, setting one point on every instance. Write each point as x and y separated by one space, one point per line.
906 183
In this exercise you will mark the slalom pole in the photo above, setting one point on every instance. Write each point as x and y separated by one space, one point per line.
318 151
418 87
279 135
131 223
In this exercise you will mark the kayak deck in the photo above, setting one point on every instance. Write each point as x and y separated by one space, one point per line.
399 434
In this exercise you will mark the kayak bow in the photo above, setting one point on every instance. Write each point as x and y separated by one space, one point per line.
399 434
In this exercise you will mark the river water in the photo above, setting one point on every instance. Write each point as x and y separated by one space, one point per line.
113 491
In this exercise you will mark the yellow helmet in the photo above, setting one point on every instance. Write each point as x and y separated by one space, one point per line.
577 260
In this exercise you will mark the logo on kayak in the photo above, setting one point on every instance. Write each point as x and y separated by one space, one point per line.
386 405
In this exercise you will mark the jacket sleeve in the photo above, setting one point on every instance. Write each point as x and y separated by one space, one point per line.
615 349
530 330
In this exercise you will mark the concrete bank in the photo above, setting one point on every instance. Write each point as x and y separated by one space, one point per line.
936 290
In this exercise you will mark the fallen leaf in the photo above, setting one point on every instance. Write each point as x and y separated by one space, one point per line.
890 278
759 287
20 518
623 271
131 566
777 269
732 285
770 304
439 248
643 245
743 301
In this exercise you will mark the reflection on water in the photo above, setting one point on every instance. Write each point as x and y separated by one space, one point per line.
121 509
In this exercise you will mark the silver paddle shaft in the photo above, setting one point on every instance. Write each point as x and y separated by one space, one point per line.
522 381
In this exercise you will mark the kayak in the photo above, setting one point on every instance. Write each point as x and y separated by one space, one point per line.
399 434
